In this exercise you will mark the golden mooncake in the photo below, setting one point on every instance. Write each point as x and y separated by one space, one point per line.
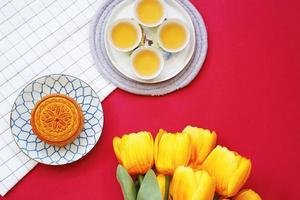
57 119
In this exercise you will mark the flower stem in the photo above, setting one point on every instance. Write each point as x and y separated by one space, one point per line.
167 186
140 179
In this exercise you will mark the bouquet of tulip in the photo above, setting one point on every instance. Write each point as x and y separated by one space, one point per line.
188 166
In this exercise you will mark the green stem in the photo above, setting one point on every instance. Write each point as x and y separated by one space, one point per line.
140 179
167 186
216 197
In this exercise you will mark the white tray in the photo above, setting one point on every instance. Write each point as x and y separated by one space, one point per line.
174 64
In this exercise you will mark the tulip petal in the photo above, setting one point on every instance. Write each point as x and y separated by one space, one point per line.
203 142
161 180
240 177
135 152
156 144
116 145
164 184
188 184
171 150
247 195
229 169
207 191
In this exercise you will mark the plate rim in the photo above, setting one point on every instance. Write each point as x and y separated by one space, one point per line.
152 81
54 164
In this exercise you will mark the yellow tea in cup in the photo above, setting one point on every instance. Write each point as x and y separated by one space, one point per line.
147 62
173 36
150 12
125 35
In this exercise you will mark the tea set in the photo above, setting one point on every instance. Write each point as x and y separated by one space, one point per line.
149 41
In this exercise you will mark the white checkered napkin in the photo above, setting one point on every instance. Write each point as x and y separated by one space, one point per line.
40 37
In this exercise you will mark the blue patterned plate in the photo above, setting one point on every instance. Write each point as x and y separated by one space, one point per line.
40 151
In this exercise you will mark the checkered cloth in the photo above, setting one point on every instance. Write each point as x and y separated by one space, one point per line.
40 37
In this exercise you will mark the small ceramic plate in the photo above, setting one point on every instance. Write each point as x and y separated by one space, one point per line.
40 151
174 62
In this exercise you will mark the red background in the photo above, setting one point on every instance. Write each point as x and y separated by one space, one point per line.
247 91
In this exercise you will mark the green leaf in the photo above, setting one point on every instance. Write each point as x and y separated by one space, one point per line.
126 183
149 189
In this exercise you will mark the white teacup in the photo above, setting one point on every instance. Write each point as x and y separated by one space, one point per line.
150 13
170 31
124 34
147 62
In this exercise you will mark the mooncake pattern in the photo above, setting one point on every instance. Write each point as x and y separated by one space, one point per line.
70 86
57 119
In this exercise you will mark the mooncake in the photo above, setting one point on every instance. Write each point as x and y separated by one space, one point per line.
57 119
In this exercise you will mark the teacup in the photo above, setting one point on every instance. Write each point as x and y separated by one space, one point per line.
150 13
125 34
147 62
173 35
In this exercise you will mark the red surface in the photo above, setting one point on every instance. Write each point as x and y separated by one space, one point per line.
248 92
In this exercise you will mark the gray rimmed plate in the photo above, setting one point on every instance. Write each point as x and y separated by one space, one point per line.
174 63
40 151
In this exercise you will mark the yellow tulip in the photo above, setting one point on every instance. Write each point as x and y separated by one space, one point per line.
203 142
229 168
161 179
135 152
188 184
247 195
170 151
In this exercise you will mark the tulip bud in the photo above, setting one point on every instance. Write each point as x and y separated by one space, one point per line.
229 168
188 184
161 179
203 142
171 151
135 152
164 183
247 195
